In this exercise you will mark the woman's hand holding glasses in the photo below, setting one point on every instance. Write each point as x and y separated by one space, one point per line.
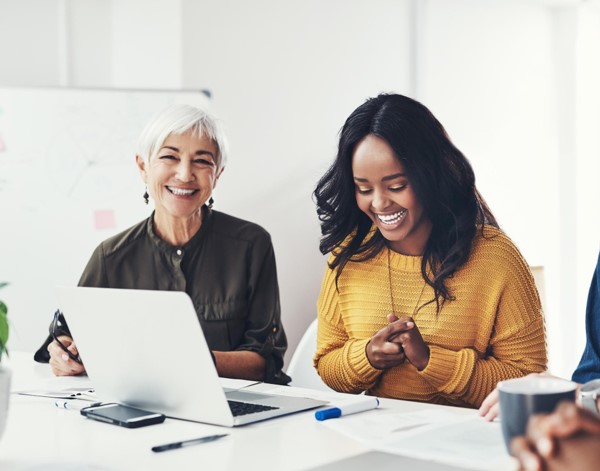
64 357
61 362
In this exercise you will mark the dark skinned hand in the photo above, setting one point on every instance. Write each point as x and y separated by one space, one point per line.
568 439
383 353
400 340
410 339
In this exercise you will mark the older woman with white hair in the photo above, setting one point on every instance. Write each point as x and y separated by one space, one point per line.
225 264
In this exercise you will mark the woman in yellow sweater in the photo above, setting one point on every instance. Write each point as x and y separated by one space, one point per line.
424 298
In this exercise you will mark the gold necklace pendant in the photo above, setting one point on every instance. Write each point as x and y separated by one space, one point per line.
414 313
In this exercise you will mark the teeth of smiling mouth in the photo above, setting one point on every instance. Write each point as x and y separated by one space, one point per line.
180 191
391 218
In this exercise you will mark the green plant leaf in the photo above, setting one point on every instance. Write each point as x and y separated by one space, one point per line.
3 328
3 284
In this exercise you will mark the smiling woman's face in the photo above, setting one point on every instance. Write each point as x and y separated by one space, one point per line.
182 176
383 192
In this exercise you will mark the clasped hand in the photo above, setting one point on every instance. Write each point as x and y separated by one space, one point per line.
400 340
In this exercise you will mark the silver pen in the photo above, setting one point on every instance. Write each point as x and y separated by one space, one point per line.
193 441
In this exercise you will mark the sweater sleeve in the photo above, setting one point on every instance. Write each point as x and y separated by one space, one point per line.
516 347
340 361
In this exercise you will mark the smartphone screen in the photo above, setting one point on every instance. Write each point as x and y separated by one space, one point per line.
124 416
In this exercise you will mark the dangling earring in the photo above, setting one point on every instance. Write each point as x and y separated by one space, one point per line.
146 196
211 201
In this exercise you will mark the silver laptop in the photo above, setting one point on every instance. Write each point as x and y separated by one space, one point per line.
157 358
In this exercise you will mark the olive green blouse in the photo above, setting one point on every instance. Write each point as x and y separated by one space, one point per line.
227 268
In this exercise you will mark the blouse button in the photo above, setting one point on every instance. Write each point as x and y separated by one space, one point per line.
179 252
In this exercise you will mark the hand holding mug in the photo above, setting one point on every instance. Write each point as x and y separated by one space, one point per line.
569 438
521 398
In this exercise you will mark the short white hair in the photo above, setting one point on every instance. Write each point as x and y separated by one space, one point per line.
179 119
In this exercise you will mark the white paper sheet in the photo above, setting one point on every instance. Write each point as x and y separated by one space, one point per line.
437 435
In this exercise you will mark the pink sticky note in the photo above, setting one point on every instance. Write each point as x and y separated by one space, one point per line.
104 219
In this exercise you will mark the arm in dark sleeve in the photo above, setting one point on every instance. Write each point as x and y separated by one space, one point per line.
264 332
589 366
94 275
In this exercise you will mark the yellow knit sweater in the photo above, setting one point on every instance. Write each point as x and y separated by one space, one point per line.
493 330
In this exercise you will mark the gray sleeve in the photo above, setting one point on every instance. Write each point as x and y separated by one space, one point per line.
264 332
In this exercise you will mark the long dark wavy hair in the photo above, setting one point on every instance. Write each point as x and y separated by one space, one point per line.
440 175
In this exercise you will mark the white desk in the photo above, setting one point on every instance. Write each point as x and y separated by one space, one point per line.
40 436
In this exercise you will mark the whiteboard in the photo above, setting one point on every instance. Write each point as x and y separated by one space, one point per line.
68 180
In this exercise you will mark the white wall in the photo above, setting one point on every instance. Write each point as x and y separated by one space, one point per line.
514 82
88 53
284 77
487 70
35 61
146 43
587 169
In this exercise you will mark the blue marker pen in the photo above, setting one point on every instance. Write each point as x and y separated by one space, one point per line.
359 406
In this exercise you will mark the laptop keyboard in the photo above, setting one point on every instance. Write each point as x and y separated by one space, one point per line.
245 408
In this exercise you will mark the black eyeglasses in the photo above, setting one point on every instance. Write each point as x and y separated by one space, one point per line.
56 323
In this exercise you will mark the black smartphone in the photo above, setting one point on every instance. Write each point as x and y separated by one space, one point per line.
124 416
